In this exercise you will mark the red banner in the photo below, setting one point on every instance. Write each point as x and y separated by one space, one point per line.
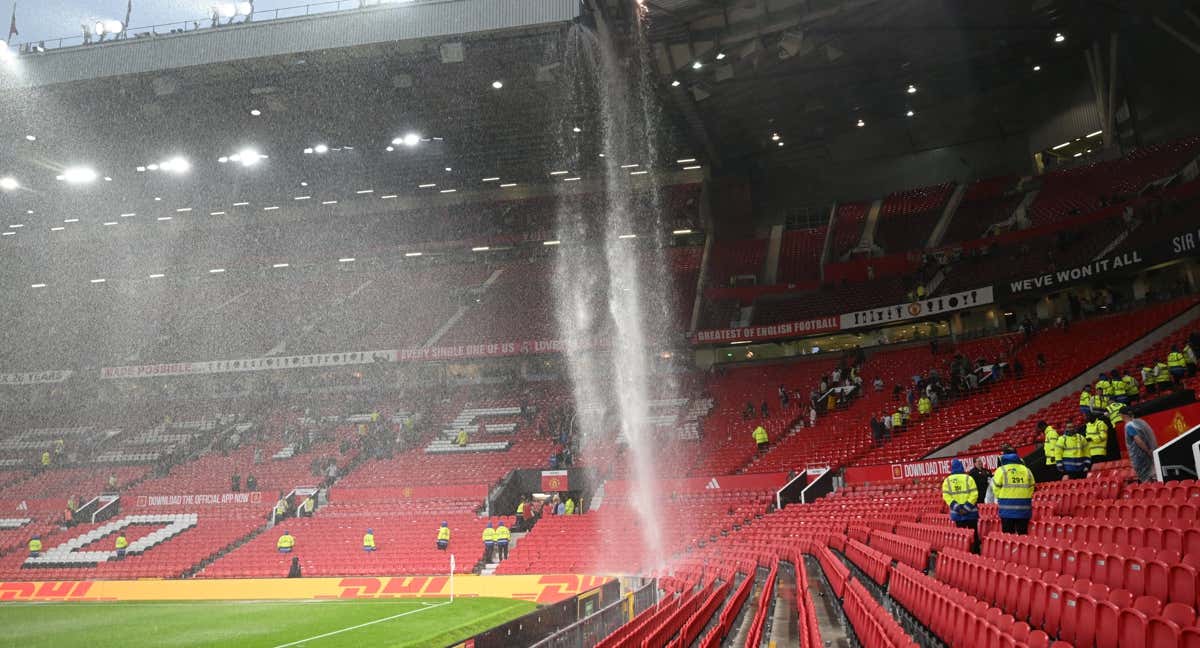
767 331
763 482
399 493
918 469
555 480
198 499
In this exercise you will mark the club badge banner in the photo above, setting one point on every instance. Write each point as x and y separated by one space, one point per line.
918 309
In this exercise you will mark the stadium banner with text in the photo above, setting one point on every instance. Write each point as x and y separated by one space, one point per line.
767 331
1167 248
197 499
35 377
555 480
918 309
759 482
1169 424
407 492
249 364
482 350
550 588
917 469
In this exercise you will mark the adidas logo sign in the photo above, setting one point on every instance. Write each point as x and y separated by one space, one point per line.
712 484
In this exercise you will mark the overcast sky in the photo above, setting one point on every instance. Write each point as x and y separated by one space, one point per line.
48 20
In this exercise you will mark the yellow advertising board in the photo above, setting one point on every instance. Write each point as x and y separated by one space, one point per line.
543 589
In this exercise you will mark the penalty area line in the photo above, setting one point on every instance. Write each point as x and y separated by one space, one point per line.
362 625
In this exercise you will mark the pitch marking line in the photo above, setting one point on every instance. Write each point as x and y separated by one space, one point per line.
363 625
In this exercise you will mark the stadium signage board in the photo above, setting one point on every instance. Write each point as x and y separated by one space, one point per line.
249 364
544 589
918 469
768 331
203 499
35 377
918 309
488 350
1090 270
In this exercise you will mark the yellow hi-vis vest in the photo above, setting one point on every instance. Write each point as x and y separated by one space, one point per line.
897 420
1175 360
1051 445
1072 450
1114 413
489 535
121 542
1097 439
959 489
444 533
924 406
35 545
760 435
1131 385
1013 485
286 541
1162 374
369 540
1104 387
502 533
1118 387
1085 399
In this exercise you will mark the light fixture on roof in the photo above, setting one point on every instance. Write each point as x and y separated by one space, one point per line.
1079 154
107 179
427 185
255 112
388 196
157 275
627 236
680 232
780 144
449 169
1058 37
184 209
301 197
7 233
697 65
481 248
447 190
413 254
692 167
365 191
912 89
216 213
1037 68
328 202
685 160
910 113
321 148
571 179
720 56
37 285
303 183
31 138
346 260
279 265
630 166
556 173
1060 146
271 208
497 84
240 204
489 180
108 223
163 218
642 172
79 175
9 183
247 156
861 123
675 83
409 140
775 137
576 130
552 242
128 215
70 220
216 271
390 148
507 185
16 226
1097 133
96 280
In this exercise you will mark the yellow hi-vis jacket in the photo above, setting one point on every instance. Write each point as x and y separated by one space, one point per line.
443 533
1050 446
489 535
121 542
1097 438
760 435
1175 360
35 545
286 541
369 540
1085 399
503 534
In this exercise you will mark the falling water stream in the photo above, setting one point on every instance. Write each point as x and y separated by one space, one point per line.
610 287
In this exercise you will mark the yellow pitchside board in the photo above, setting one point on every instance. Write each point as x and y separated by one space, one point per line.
550 588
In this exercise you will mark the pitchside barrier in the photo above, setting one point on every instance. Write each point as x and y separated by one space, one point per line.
544 589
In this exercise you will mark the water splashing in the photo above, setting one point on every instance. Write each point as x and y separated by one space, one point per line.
612 287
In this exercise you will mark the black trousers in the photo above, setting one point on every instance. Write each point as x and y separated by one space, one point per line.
974 526
1019 527
502 550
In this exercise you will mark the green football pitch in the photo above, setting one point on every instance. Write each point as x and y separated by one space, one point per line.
255 624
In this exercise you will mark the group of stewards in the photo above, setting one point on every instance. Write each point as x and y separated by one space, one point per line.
287 541
1012 484
495 542
120 545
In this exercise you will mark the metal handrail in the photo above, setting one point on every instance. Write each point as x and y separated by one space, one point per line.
204 23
